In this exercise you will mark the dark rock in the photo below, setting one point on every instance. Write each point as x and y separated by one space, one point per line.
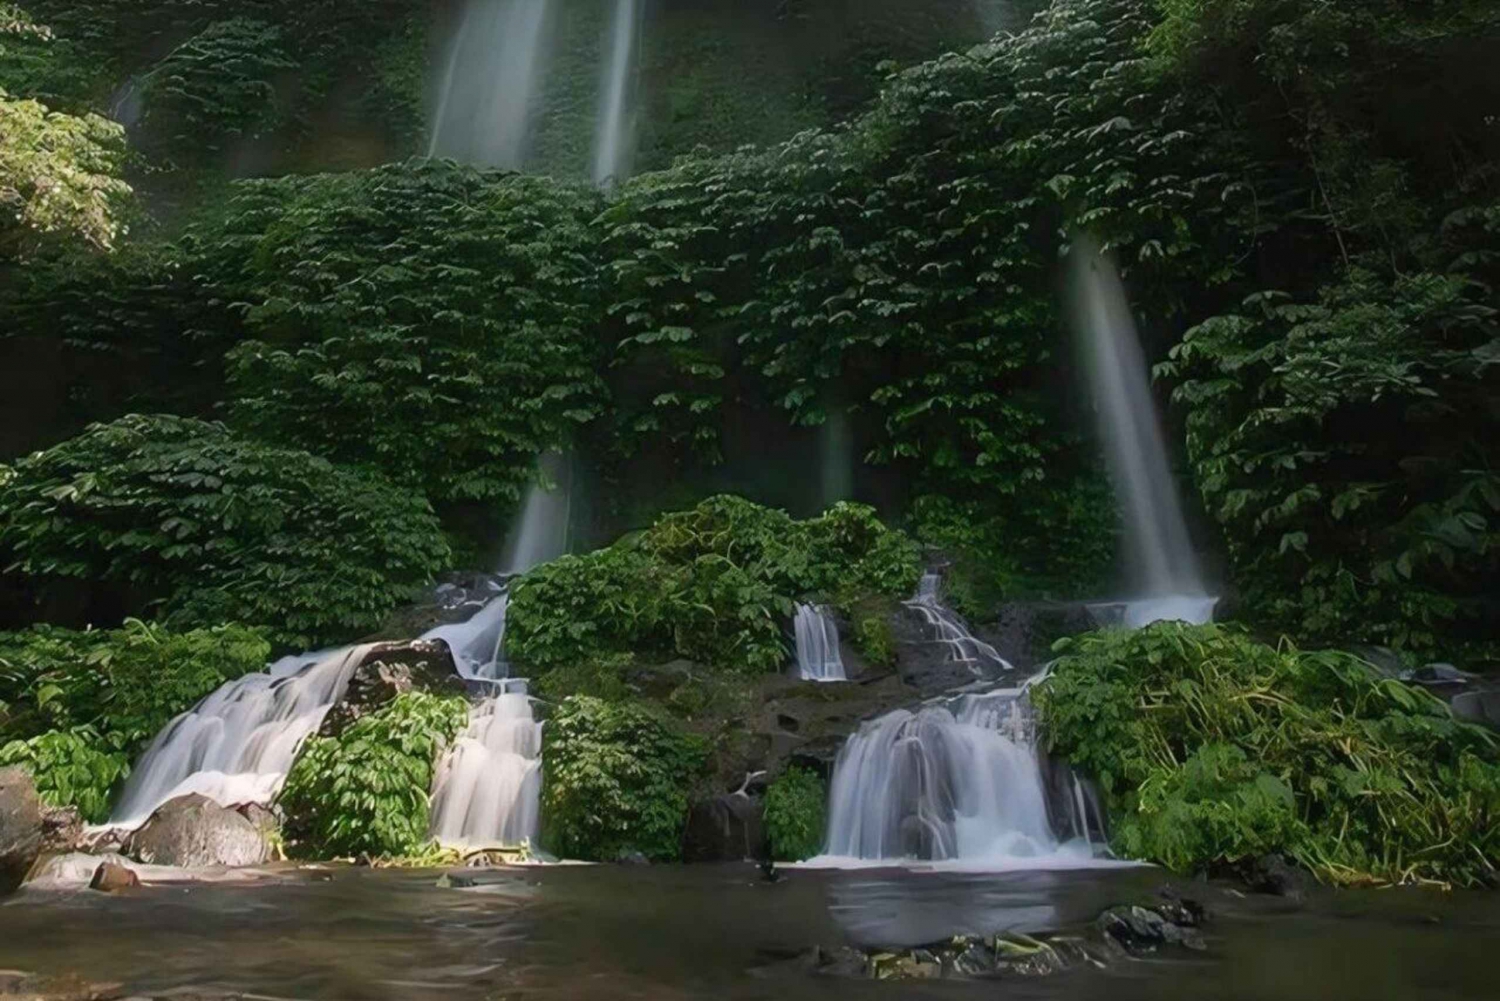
841 962
455 598
974 960
725 828
1139 931
1274 875
22 827
1478 707
111 878
388 671
194 831
631 858
1023 632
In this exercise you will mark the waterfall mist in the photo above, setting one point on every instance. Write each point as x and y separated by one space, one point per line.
836 456
490 83
613 141
540 534
1165 577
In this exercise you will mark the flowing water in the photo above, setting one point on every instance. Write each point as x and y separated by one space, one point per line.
818 657
959 780
669 933
613 141
541 533
487 790
1166 579
237 745
491 82
949 629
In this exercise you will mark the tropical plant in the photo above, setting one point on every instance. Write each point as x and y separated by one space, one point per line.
220 528
616 780
76 767
1212 747
795 807
364 793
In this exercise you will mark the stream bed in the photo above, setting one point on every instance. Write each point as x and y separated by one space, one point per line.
669 932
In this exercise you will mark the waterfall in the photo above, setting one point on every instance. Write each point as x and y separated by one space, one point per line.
836 448
487 790
490 83
958 780
1167 581
818 657
477 645
541 533
612 143
949 629
238 744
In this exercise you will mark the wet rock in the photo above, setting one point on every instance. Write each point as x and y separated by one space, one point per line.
22 827
725 828
631 858
975 960
1478 707
1023 632
194 831
18 986
1274 875
63 831
389 670
111 878
841 962
1140 931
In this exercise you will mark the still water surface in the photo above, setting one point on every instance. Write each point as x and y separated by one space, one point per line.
718 932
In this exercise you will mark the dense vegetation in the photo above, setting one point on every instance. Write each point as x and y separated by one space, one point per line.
796 804
715 584
1213 748
616 781
364 793
77 707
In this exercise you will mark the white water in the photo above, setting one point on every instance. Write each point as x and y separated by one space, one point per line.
1166 579
963 646
612 144
958 782
487 790
491 81
818 657
237 745
477 645
540 535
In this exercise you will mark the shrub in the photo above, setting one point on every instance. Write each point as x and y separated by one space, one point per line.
1212 747
126 684
616 780
219 528
365 792
715 584
74 767
795 806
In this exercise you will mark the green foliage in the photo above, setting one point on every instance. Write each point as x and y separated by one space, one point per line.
59 176
431 320
125 684
795 806
364 793
217 88
220 528
1212 747
715 584
74 767
616 780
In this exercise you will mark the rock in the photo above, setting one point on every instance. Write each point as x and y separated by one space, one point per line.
841 962
631 857
30 987
194 832
111 877
388 671
1478 707
63 831
22 827
1273 874
1140 931
726 828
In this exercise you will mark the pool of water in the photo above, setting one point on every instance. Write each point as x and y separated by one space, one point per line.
719 932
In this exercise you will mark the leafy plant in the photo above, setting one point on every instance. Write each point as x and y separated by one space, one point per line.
715 584
1212 748
795 806
220 528
364 793
75 767
616 780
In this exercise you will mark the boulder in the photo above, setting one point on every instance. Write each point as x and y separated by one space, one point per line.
111 877
195 832
22 827
388 671
725 829
1478 707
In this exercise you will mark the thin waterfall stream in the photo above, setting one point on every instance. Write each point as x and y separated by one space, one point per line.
613 140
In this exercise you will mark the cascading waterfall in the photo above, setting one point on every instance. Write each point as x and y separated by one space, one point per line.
949 629
818 657
1167 580
477 645
612 144
487 789
238 744
496 62
541 533
959 780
